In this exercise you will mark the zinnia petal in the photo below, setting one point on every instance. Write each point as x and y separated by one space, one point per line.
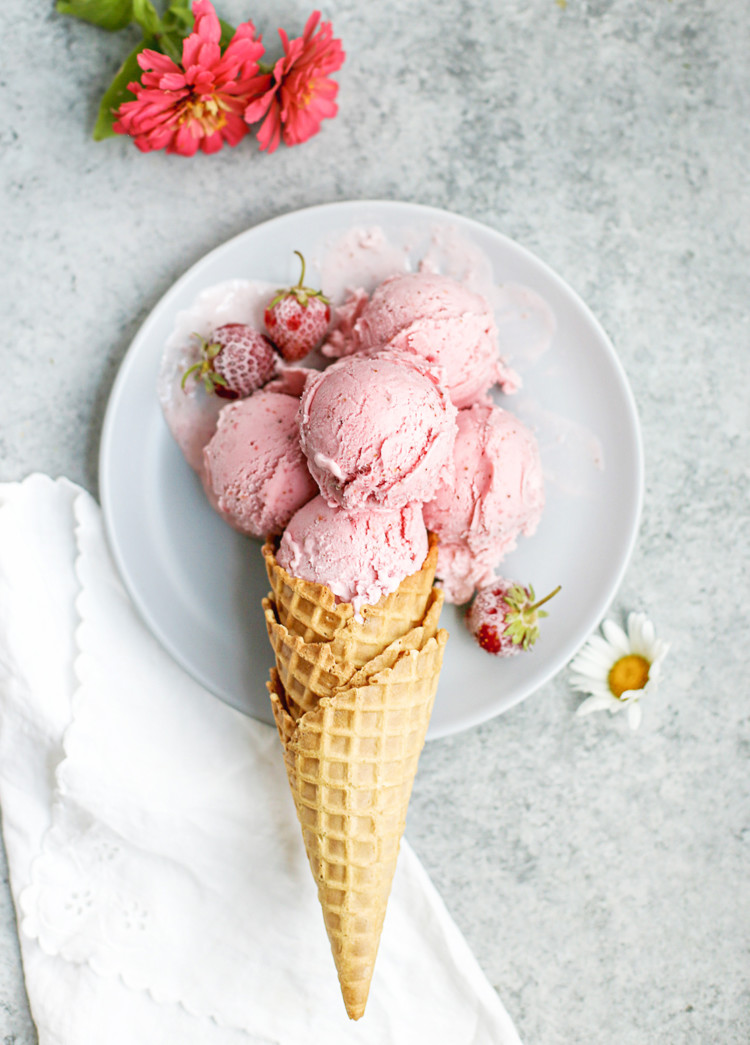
269 132
172 81
198 104
304 97
212 142
258 107
235 129
185 142
156 62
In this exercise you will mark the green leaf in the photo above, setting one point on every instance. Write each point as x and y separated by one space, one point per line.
108 14
144 13
178 17
227 32
118 92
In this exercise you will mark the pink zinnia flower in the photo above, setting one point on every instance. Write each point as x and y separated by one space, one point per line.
199 103
297 96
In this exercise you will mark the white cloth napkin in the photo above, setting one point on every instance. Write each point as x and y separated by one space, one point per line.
155 860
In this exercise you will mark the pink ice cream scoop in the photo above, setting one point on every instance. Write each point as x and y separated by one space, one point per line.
433 317
361 556
378 431
498 494
254 472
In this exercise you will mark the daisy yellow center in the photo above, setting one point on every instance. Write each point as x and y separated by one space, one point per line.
206 110
630 672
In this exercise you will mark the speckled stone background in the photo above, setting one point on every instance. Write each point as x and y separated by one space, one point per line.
600 877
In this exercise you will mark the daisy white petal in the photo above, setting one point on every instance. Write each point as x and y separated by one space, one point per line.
659 651
629 695
581 682
640 634
616 636
592 667
615 659
634 714
596 659
634 624
598 689
597 644
599 656
594 704
648 634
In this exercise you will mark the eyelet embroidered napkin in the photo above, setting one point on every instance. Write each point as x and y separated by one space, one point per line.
155 860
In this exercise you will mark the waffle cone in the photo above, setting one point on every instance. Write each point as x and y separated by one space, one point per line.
352 701
311 611
311 670
351 763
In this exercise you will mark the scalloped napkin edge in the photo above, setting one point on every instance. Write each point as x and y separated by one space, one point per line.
152 842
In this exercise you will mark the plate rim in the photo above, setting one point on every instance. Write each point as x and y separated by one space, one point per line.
607 595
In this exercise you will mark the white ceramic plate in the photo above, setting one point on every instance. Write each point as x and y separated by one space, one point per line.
198 584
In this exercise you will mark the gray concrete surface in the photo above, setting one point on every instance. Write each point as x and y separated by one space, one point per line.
600 877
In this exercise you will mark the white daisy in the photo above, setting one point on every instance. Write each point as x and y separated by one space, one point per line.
619 669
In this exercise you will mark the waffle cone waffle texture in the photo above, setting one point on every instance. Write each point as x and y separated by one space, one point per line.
352 701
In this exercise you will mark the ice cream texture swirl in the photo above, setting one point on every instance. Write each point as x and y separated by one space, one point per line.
377 431
350 459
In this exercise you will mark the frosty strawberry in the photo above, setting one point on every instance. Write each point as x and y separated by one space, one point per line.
504 617
297 318
235 361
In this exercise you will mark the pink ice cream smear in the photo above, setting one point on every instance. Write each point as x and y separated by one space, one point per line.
360 556
498 494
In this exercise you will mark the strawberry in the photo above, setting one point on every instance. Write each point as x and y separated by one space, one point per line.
235 360
504 617
297 318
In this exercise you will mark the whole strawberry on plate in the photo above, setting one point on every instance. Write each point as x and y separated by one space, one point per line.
504 617
235 361
297 318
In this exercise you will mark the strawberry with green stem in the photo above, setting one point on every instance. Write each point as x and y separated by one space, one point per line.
235 361
504 617
297 318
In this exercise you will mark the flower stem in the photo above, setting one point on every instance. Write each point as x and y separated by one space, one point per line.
546 598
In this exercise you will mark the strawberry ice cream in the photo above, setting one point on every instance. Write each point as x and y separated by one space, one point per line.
290 379
498 494
396 435
255 474
190 413
433 317
378 431
360 556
